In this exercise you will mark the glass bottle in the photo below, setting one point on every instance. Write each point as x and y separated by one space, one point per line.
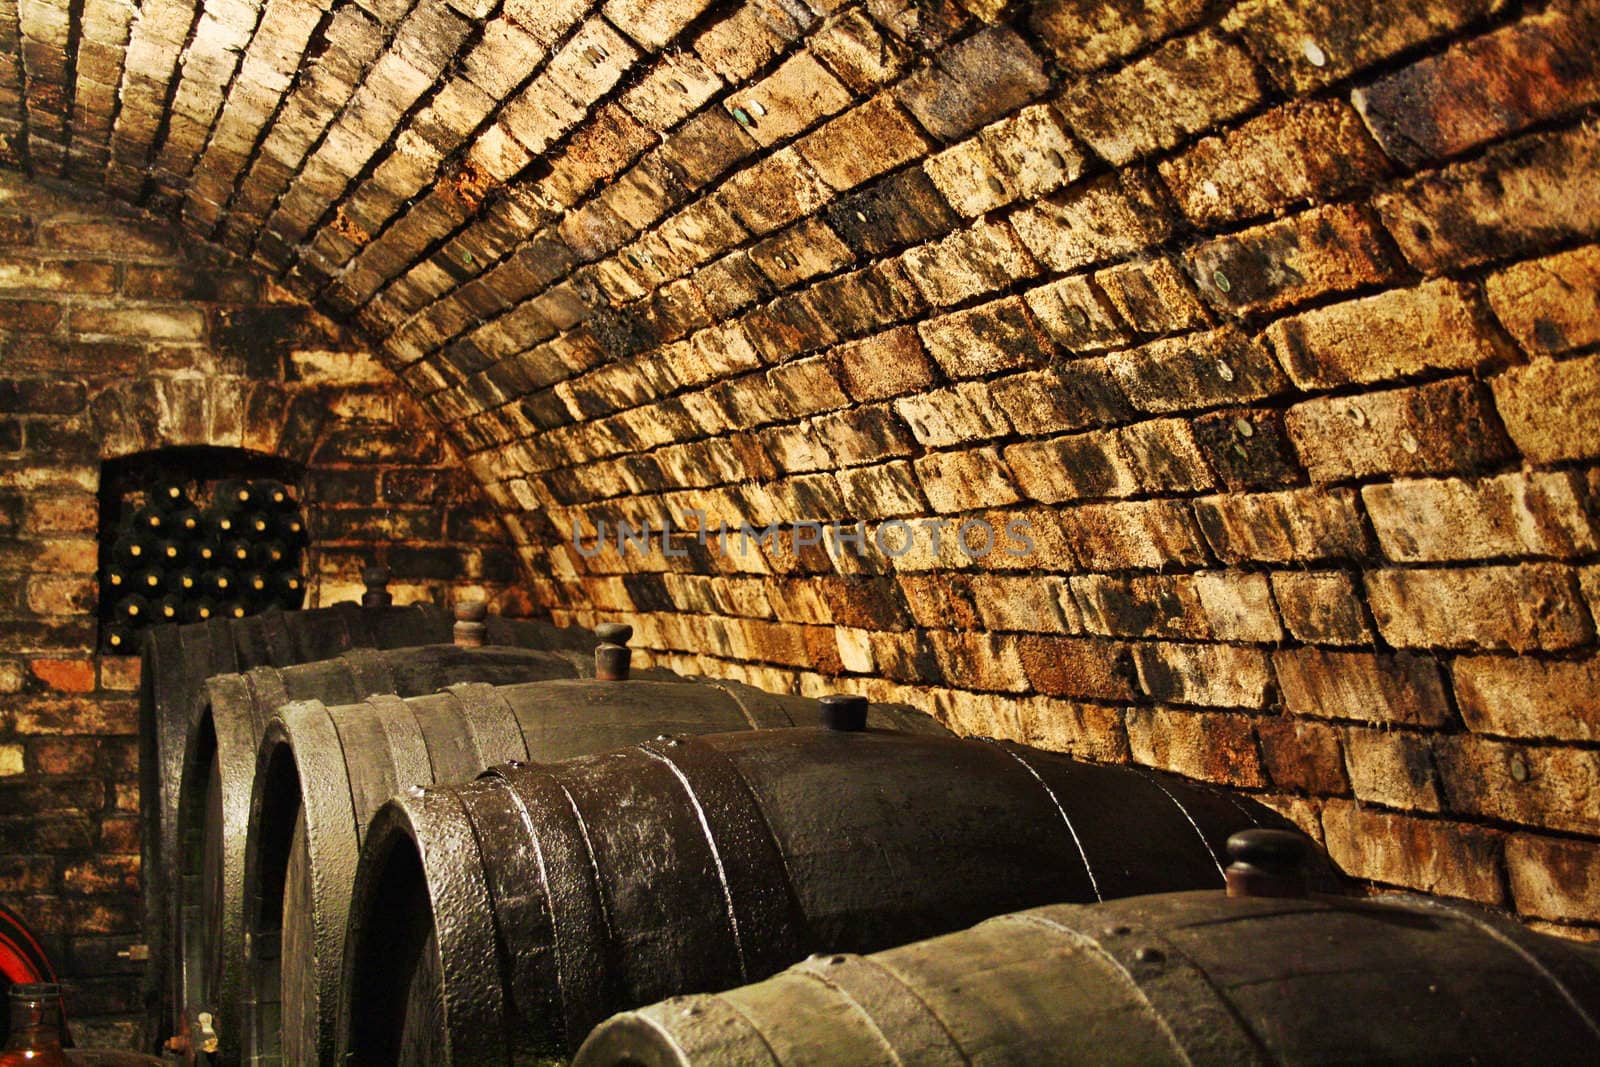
36 1026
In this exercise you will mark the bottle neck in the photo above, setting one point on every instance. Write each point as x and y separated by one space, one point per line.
35 1020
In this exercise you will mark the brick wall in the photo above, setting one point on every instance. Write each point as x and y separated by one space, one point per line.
113 340
1274 321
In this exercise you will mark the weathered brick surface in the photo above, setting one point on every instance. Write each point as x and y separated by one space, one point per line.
1274 320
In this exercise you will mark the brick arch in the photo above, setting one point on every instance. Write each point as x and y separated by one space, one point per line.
143 415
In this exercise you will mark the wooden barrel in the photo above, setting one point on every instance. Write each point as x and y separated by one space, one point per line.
175 663
1187 979
690 864
323 772
214 796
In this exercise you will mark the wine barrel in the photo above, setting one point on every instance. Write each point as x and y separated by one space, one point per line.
1190 979
691 864
219 767
175 662
323 772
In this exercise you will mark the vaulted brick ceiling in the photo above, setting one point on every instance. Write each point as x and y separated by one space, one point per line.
1275 319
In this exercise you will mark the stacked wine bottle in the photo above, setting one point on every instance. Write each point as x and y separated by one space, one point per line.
176 560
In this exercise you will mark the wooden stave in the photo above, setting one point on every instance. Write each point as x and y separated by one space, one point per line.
337 835
1164 979
233 739
552 790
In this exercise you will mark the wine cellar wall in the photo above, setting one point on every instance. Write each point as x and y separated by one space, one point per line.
123 358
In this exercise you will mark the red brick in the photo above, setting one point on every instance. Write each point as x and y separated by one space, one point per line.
1317 253
1532 606
1084 668
1522 697
1367 686
1443 427
1303 756
1483 89
1186 86
1205 745
64 755
1443 858
65 675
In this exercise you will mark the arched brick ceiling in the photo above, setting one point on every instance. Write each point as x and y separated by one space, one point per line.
1274 318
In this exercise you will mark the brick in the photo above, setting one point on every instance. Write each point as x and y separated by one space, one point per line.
1485 88
1314 254
1247 448
1152 296
1076 315
673 89
1439 325
164 324
991 337
1550 409
1008 602
1369 687
1525 607
1551 305
1549 787
1147 534
1185 87
1392 768
884 365
650 22
971 262
1517 199
775 192
1083 466
1204 745
1320 607
65 675
964 481
1086 34
1083 668
1520 514
1303 756
984 662
1197 371
1307 45
970 179
1304 150
1442 858
861 54
1554 878
11 760
1066 396
973 82
1519 697
1300 525
788 100
893 212
1085 731
1034 151
57 275
1112 217
1444 427
1211 675
863 143
960 414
